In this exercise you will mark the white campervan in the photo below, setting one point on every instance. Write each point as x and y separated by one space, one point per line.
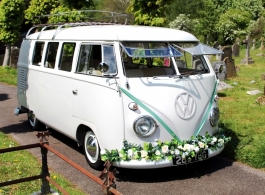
138 96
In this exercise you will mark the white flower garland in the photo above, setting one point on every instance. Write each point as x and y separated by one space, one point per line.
166 150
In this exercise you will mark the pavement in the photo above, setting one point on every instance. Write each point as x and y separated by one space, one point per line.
215 176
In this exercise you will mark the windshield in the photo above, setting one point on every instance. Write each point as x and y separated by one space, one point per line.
153 59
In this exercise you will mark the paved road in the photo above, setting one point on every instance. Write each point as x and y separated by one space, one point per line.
216 176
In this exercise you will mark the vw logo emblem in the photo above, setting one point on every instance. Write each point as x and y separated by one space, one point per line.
185 106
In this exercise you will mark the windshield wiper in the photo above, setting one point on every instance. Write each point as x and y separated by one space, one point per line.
173 76
179 76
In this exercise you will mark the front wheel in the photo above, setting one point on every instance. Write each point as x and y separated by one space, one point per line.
92 151
34 123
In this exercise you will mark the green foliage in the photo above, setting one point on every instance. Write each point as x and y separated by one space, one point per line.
183 22
150 13
77 4
233 24
38 8
11 18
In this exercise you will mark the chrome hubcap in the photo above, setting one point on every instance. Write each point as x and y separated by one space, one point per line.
91 145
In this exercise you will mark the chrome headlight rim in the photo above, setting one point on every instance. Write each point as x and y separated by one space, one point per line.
214 116
153 126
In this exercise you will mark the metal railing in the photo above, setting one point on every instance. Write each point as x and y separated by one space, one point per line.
106 178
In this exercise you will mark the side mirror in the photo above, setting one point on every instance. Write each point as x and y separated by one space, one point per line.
103 67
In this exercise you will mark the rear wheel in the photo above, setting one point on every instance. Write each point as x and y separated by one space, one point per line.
92 150
34 123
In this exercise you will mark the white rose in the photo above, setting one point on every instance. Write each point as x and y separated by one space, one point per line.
165 149
176 152
180 147
212 142
214 139
201 145
155 144
130 153
186 147
197 149
102 152
172 152
183 155
192 147
221 141
158 153
143 153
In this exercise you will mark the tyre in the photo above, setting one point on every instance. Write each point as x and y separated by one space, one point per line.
34 123
92 151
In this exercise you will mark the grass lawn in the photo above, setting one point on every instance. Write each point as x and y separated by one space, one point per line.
241 116
21 164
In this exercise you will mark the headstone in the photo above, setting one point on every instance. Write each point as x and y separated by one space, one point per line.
238 41
230 67
253 44
219 69
14 57
227 52
261 43
219 56
247 60
216 45
235 50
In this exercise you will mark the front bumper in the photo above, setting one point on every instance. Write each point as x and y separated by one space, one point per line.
148 164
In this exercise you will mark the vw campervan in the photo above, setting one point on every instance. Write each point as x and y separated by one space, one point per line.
141 97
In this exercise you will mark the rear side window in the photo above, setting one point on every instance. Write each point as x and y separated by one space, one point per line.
67 55
51 55
37 54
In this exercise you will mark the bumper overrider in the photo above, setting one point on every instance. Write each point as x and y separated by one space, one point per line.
166 154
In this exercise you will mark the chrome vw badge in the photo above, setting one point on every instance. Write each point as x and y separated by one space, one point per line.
185 106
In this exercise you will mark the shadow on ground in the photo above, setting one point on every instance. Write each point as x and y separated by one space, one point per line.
4 96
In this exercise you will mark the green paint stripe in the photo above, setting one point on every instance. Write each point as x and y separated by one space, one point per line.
151 112
208 110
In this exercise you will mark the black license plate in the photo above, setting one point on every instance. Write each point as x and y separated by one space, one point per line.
201 155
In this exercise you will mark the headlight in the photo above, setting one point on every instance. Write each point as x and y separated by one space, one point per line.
144 126
214 116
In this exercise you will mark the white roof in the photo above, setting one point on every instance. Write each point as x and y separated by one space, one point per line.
115 33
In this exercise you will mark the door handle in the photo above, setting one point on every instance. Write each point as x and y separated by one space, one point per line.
75 92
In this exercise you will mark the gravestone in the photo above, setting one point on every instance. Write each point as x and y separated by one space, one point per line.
261 43
14 57
219 69
235 50
216 45
238 41
247 60
227 52
230 67
253 44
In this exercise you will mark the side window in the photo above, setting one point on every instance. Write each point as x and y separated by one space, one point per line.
37 54
89 58
51 55
67 55
109 59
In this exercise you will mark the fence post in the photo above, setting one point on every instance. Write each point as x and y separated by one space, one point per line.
45 187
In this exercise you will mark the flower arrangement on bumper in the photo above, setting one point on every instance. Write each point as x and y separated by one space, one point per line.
166 150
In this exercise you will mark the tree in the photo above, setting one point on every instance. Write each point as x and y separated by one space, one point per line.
39 8
233 23
151 12
119 6
11 18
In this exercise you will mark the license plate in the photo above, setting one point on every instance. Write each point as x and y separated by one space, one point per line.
201 155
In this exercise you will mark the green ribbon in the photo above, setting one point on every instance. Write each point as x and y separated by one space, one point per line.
208 110
151 112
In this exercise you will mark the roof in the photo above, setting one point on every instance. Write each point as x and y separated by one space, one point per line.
115 33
